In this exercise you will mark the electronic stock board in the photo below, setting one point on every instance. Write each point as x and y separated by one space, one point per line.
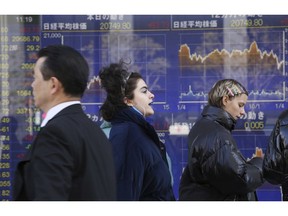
180 57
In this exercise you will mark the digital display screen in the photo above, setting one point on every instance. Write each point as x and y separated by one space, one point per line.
180 57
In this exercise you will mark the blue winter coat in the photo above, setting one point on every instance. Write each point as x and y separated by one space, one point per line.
140 159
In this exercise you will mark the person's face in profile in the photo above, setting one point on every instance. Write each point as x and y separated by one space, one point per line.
143 98
235 106
41 87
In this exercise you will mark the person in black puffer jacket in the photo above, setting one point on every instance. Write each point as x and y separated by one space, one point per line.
275 164
216 169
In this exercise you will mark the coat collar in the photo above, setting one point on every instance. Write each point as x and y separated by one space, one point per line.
219 115
128 114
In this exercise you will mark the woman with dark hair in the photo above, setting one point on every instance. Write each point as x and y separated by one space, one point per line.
216 168
140 158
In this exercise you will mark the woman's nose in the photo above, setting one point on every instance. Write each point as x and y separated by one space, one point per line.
243 111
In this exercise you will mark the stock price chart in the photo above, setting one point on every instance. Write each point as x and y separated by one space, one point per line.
180 57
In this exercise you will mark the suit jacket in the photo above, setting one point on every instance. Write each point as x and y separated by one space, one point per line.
70 159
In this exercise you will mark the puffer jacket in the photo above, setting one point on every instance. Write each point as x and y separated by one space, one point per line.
216 168
275 164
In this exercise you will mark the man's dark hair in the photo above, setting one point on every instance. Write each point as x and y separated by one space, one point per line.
68 66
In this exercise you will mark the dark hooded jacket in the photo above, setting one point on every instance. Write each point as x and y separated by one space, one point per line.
275 165
140 158
216 168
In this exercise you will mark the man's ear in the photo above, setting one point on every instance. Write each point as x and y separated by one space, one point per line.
55 84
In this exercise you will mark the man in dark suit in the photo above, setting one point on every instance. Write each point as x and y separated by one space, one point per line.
70 158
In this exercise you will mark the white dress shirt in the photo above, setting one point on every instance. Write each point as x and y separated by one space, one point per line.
56 109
